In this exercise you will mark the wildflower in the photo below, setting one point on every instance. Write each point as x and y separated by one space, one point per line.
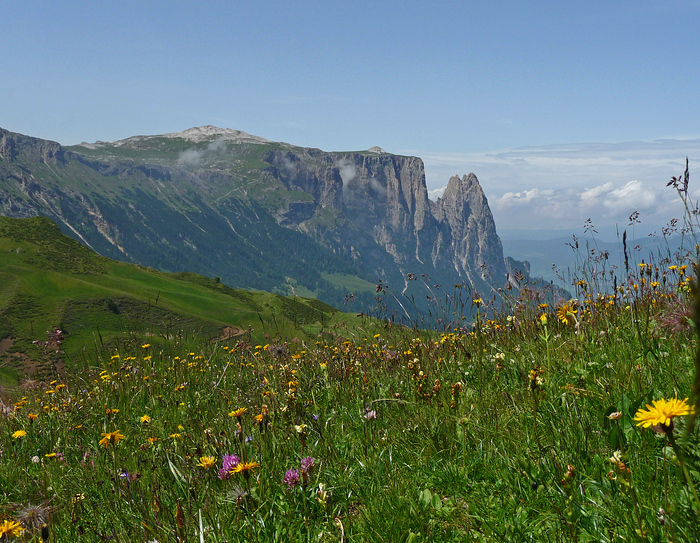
536 379
322 494
371 414
567 313
238 413
616 458
32 416
300 429
145 345
176 436
306 465
110 437
10 527
245 468
615 416
228 463
50 455
207 461
662 412
568 475
291 478
145 419
34 518
19 434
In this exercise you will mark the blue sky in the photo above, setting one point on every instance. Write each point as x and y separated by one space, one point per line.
455 83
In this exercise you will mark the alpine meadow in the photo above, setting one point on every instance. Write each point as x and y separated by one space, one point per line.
299 346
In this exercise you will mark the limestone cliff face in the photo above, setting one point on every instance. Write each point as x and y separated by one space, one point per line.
469 232
229 204
385 196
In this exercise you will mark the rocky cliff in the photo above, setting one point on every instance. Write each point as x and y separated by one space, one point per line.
257 213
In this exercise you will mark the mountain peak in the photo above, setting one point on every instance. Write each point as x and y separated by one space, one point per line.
208 132
195 134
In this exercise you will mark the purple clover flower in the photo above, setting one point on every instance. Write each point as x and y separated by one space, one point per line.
291 478
228 462
306 465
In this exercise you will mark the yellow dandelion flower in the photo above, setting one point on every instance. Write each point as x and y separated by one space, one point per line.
207 461
10 527
245 468
110 437
238 413
662 412
176 436
19 434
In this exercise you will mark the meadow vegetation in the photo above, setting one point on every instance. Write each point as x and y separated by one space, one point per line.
541 421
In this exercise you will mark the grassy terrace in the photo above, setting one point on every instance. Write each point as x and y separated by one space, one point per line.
520 428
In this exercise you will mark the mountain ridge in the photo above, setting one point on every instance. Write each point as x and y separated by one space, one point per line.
260 214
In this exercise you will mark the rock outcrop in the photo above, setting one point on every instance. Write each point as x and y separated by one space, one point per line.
224 203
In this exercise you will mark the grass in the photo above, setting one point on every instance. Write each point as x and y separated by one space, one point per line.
50 281
518 429
527 424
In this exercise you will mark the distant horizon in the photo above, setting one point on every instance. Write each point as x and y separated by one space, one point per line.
606 182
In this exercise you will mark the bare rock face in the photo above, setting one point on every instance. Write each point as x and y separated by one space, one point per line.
385 196
465 218
258 213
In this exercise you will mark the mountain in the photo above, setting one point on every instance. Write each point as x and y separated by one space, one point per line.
62 304
264 215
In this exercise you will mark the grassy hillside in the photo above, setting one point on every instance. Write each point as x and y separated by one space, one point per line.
549 423
50 282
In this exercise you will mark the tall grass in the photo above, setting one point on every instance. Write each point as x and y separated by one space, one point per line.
520 428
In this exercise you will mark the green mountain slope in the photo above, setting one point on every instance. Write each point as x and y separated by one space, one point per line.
50 282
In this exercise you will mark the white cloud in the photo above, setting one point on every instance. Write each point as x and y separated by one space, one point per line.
560 186
633 196
347 171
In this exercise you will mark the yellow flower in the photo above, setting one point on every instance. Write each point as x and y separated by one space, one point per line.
207 461
32 416
662 412
145 419
19 434
145 345
301 429
50 455
567 313
245 468
110 437
10 527
238 413
176 436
